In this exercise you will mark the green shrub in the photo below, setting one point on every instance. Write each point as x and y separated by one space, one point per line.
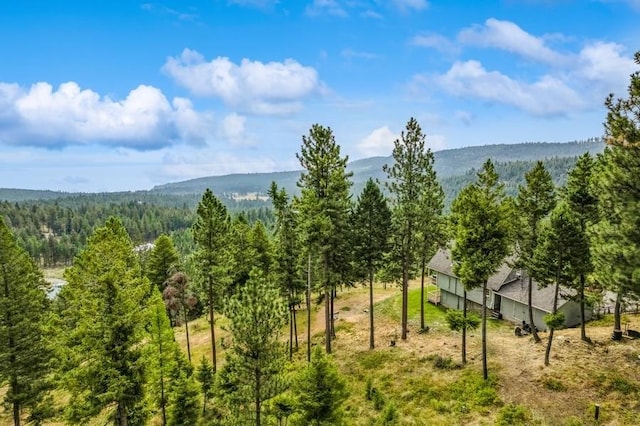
554 321
443 363
573 421
554 384
389 415
513 415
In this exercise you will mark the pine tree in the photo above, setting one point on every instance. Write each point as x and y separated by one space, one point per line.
24 354
101 318
184 404
481 230
411 177
321 391
253 372
582 199
370 225
210 233
287 252
616 252
241 254
163 262
205 377
324 210
262 249
561 256
534 202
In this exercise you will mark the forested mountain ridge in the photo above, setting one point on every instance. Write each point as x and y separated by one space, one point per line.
448 163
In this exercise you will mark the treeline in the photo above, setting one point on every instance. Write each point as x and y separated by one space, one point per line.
54 231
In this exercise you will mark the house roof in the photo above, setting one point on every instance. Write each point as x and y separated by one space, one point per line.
441 262
541 298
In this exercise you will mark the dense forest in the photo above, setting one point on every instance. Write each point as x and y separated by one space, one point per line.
105 349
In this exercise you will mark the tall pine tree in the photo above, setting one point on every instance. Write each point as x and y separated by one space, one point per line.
24 354
370 223
410 178
101 321
324 210
210 233
481 237
534 202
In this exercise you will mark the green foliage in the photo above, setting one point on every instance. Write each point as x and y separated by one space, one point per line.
184 398
253 372
204 374
101 319
554 320
443 363
24 352
471 390
457 321
321 391
163 261
554 384
389 416
513 415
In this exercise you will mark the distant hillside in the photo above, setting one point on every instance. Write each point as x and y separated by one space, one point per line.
448 163
454 168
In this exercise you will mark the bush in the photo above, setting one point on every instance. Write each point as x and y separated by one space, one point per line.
389 415
554 321
554 384
512 415
443 363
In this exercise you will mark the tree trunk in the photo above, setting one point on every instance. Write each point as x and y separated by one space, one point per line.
464 328
258 400
371 338
617 312
547 353
211 323
485 371
309 309
290 328
186 330
327 317
534 332
161 357
16 413
583 326
405 289
122 415
295 327
333 320
422 327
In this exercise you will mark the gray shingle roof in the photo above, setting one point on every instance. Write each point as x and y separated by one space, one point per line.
541 298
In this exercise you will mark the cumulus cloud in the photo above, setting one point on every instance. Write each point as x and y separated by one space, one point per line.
145 119
251 86
508 36
378 143
546 97
605 64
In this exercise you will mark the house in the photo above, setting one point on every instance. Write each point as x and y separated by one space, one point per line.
507 294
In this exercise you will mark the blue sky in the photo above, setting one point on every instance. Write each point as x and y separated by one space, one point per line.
124 95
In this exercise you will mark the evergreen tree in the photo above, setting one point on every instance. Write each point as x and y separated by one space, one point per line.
241 253
462 321
255 362
101 318
561 256
210 233
370 225
321 391
184 404
179 301
287 252
324 210
205 377
582 199
533 203
481 230
411 177
24 354
163 262
616 251
262 249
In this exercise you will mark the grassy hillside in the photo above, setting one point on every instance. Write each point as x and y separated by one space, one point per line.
421 381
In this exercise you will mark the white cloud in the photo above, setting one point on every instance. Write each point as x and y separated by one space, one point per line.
604 64
371 14
69 115
434 41
233 129
260 4
252 86
508 36
464 116
326 7
378 143
350 53
411 4
546 97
